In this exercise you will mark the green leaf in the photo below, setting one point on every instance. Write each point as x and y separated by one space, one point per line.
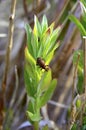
48 94
28 31
31 80
78 24
37 27
50 43
29 84
53 40
81 59
31 107
34 42
44 24
83 11
44 82
29 37
80 68
29 57
49 57
33 117
40 50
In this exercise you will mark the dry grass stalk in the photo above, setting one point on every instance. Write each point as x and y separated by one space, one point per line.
10 43
73 106
25 7
7 57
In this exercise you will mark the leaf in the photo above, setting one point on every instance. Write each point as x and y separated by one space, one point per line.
29 57
83 11
78 24
33 117
49 57
29 84
29 37
31 107
80 68
52 43
44 82
44 24
48 94
45 39
37 27
28 31
40 50
34 45
81 59
31 78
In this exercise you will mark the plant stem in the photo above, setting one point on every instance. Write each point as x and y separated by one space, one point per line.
7 59
84 49
73 107
75 76
25 6
36 125
10 44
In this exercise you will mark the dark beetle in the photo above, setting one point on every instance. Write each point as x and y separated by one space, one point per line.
40 62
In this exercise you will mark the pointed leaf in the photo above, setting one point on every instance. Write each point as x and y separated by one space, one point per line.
48 94
78 24
28 31
33 117
31 107
44 82
34 46
53 39
80 67
29 37
29 58
37 27
81 59
44 24
29 84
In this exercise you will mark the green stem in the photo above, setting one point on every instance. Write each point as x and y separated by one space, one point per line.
36 125
84 49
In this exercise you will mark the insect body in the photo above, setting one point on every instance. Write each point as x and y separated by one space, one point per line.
41 63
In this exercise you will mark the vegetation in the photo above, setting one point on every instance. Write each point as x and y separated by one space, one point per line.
47 88
39 83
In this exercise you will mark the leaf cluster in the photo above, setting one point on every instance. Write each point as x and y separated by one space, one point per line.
41 42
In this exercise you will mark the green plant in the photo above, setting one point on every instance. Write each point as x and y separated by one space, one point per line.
81 68
81 24
41 43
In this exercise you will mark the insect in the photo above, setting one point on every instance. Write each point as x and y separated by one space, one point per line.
40 62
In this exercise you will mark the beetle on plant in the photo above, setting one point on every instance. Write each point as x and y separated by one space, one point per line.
41 63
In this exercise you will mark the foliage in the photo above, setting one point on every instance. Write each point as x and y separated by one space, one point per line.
41 42
81 24
79 69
